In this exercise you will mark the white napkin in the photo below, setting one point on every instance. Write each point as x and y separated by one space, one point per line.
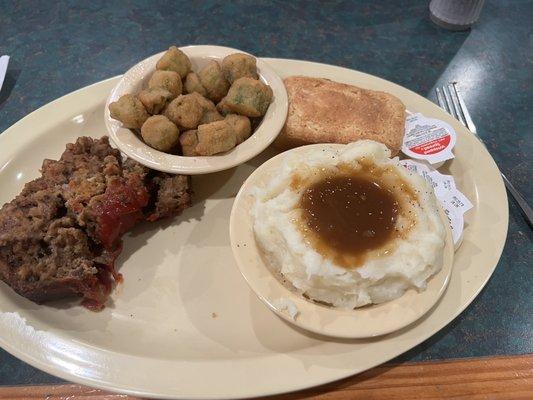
4 60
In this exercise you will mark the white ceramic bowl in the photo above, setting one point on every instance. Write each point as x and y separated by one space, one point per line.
359 323
137 78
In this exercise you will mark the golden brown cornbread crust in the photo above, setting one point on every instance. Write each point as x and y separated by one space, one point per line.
323 111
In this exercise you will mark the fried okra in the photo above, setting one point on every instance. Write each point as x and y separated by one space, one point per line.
193 85
210 111
185 111
175 60
249 97
240 125
129 110
160 133
214 138
223 108
206 104
239 65
155 99
168 80
180 99
211 116
188 142
212 79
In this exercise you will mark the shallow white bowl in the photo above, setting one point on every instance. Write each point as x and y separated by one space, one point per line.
137 78
363 322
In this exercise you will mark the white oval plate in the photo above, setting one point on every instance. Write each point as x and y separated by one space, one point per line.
136 78
364 322
185 324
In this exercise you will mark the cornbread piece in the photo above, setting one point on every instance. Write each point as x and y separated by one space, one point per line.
239 65
168 80
249 97
155 99
193 85
129 110
160 133
214 138
188 142
240 125
323 111
185 111
61 235
213 80
175 60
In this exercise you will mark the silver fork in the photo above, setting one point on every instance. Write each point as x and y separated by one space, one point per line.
452 102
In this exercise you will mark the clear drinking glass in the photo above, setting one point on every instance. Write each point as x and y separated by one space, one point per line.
457 15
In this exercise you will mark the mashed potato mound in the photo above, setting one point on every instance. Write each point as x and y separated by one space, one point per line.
407 261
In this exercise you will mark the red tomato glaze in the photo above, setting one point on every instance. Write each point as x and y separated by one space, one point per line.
120 209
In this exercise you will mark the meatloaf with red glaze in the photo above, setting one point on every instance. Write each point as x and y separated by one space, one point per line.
61 235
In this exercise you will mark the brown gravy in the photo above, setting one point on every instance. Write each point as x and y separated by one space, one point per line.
350 214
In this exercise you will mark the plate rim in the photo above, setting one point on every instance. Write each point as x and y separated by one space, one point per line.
108 384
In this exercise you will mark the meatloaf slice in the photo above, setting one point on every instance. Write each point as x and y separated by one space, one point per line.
61 235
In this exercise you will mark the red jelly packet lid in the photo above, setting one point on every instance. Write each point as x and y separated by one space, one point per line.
453 202
428 139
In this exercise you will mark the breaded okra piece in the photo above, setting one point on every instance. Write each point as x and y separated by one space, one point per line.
129 110
188 142
185 111
155 99
215 138
239 65
175 60
168 80
240 125
160 133
193 85
212 79
249 97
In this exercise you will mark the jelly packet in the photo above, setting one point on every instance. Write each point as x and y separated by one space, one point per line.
428 139
453 202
